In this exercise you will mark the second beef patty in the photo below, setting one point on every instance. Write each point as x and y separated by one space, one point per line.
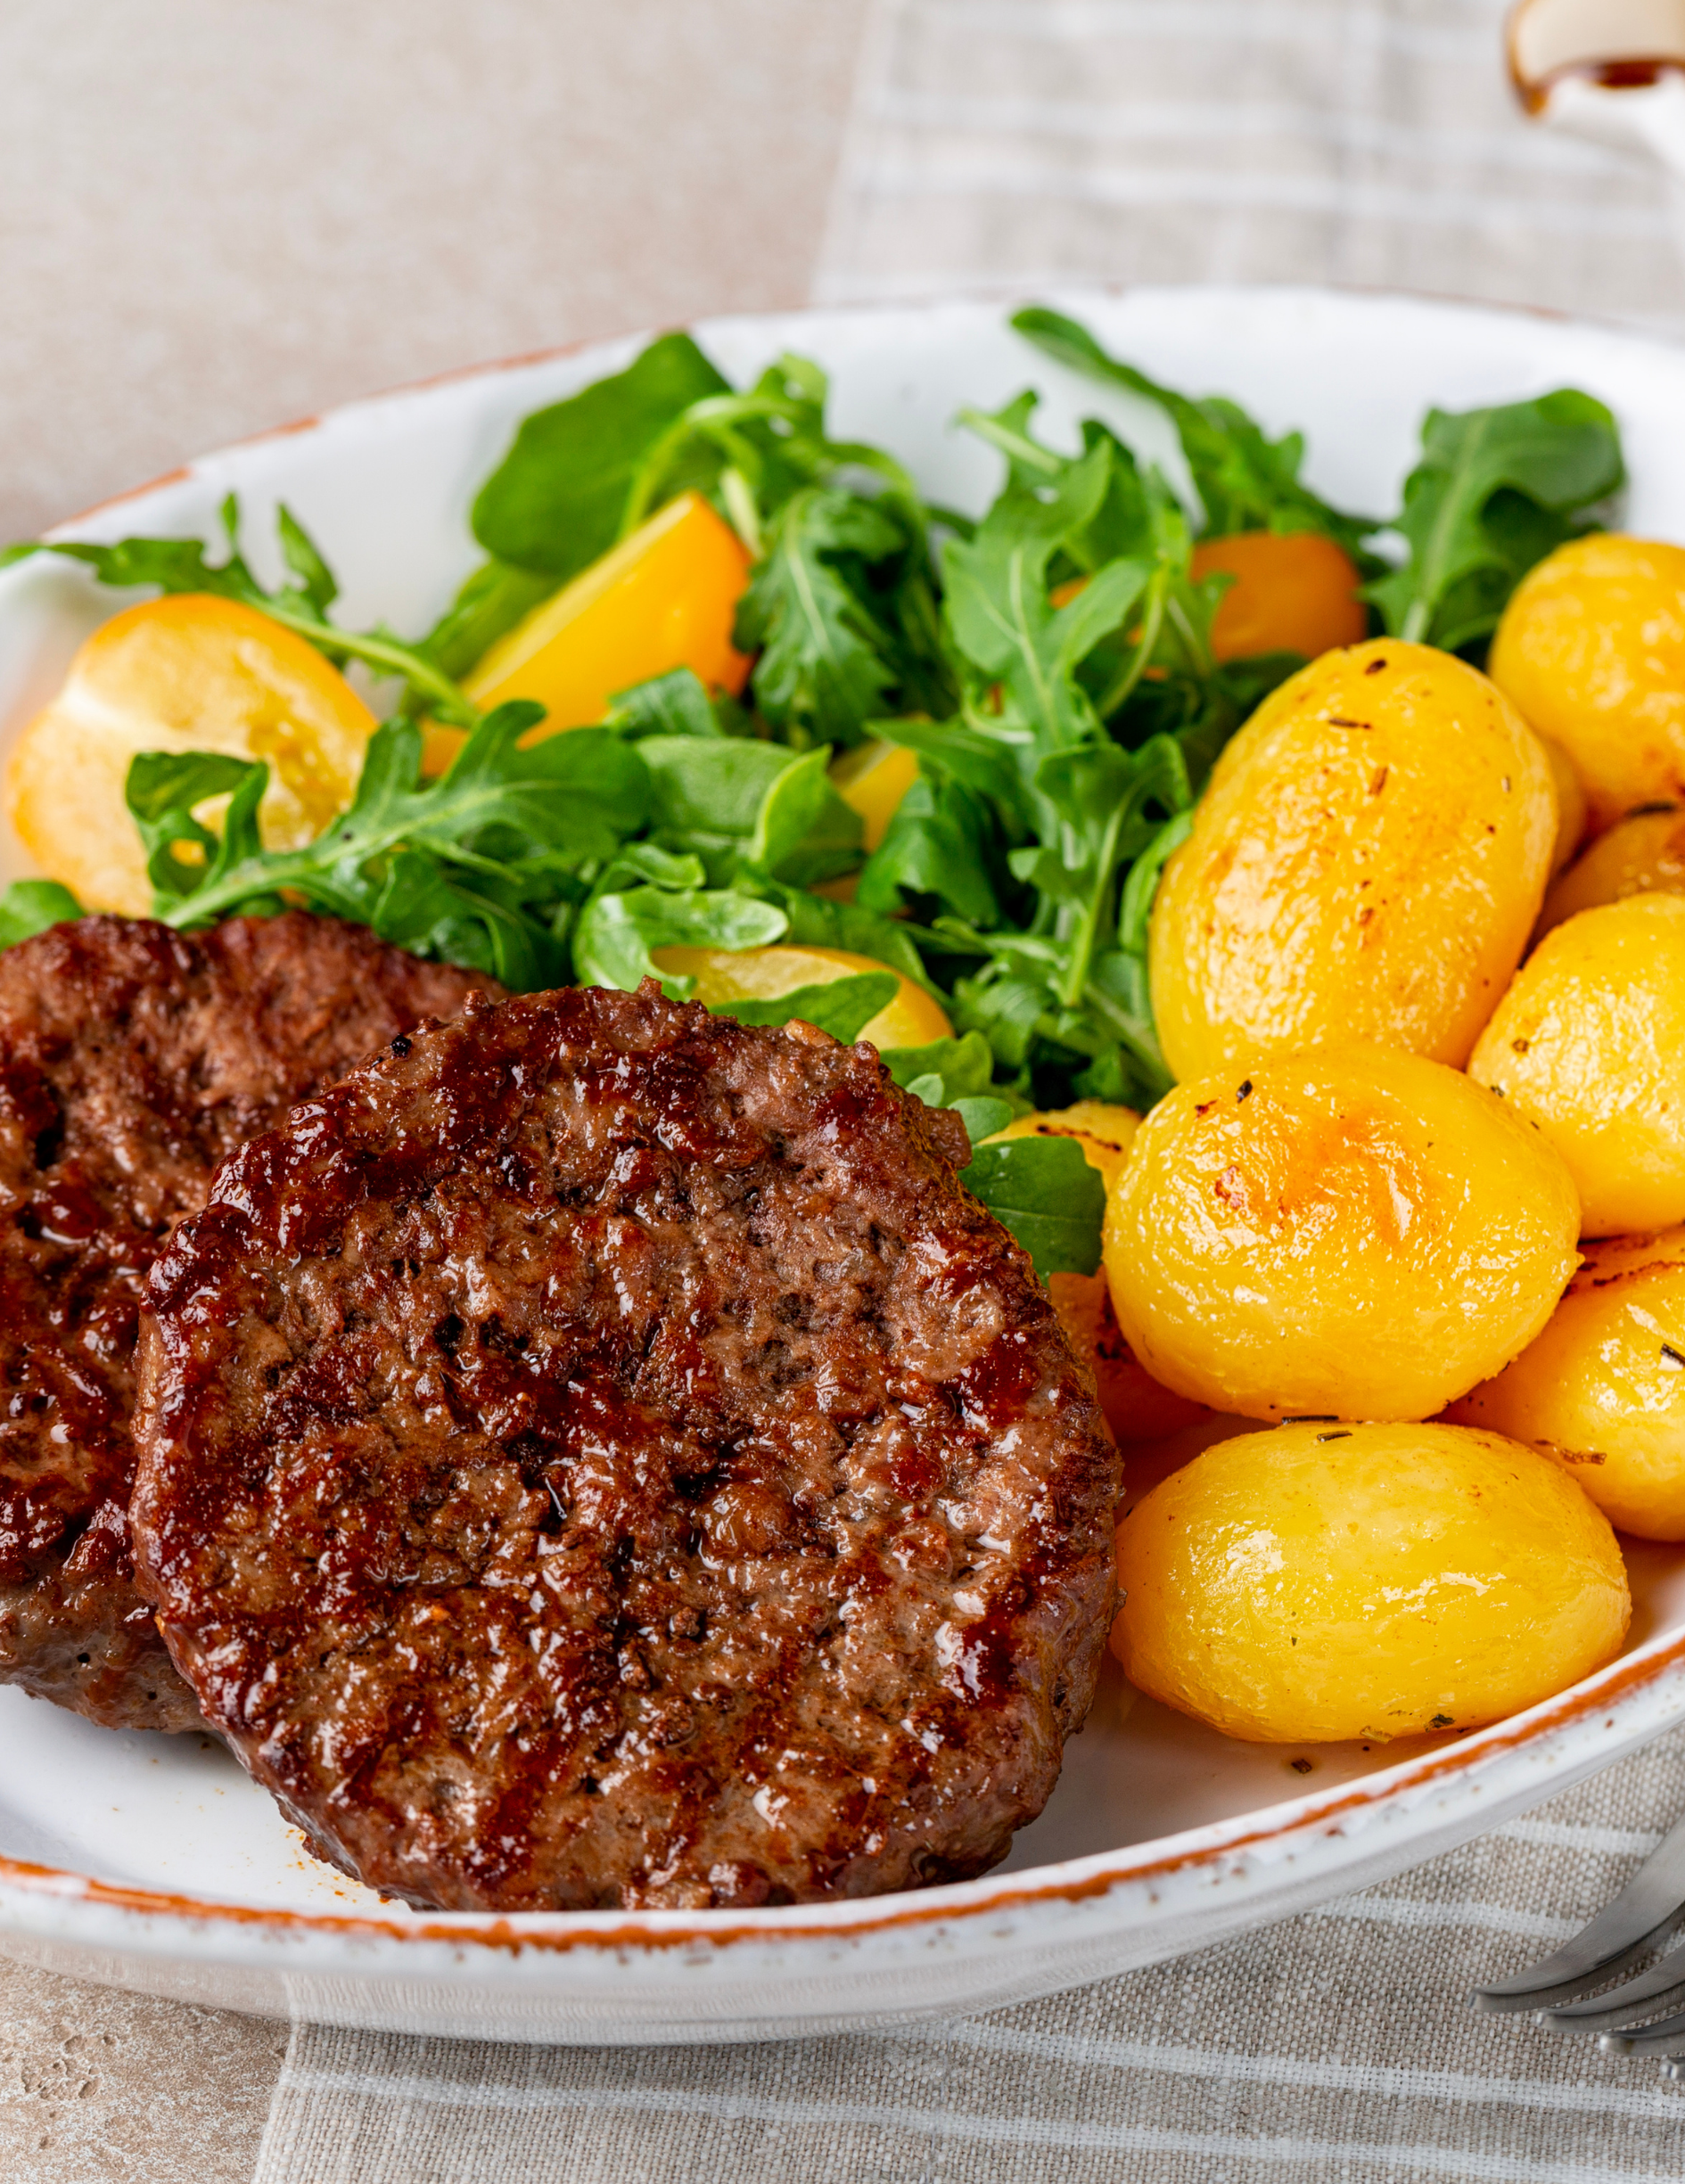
132 1059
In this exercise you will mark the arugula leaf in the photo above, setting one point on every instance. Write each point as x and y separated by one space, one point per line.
982 1117
490 604
940 843
616 933
711 788
29 906
842 1006
1245 480
675 704
562 495
1044 1191
1496 490
822 673
480 867
959 1068
803 830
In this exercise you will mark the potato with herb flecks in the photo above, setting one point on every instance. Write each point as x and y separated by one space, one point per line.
1366 863
1643 854
1589 1044
1319 1583
1603 1388
1591 650
1352 1233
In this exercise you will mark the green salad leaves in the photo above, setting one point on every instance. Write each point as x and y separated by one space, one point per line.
1051 666
1496 490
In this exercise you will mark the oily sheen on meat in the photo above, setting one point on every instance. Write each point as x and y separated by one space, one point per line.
599 1454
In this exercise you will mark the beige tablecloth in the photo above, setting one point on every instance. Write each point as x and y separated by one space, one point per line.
219 213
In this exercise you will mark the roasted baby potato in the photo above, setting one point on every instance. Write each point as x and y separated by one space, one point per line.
1589 1044
1642 854
1591 650
1603 1388
1572 814
1137 1406
1323 1582
1366 863
1354 1233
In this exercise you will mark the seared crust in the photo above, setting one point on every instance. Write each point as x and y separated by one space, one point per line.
132 1060
599 1455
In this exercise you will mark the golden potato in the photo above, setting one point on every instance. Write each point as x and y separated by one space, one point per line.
1366 863
1138 1407
1591 650
1572 814
1589 1044
1603 1388
1321 1582
1642 854
1352 1233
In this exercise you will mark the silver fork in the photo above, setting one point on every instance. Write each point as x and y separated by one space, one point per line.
1561 1991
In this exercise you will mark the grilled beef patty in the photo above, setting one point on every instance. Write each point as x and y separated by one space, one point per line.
132 1059
600 1455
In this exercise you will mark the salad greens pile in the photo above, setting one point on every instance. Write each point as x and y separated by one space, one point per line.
1051 666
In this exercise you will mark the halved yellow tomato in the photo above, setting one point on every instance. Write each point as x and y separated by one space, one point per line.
192 672
912 1019
666 597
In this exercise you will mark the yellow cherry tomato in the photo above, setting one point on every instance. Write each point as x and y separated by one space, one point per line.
873 781
1293 592
1591 652
1642 854
1603 1388
912 1019
1352 1233
663 598
1321 1582
1366 863
192 672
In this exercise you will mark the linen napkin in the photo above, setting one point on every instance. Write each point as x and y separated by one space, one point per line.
1334 2048
998 143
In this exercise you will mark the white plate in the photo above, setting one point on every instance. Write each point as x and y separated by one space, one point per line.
152 1862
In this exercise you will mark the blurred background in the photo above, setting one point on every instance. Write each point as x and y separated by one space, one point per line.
218 215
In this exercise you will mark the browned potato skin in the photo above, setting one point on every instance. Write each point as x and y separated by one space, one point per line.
1591 650
1590 1043
1138 1407
1572 814
1642 854
1366 863
1352 1233
1603 1388
1320 1584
